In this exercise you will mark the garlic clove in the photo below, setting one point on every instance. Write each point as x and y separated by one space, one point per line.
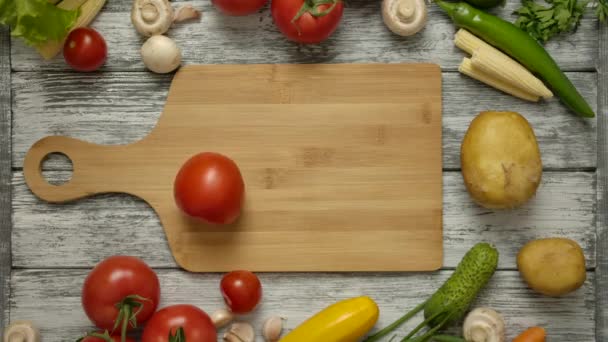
221 318
21 331
240 332
186 12
272 328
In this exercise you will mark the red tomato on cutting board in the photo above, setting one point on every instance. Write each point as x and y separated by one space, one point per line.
209 186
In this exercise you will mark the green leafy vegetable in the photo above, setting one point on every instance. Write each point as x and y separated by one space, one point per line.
602 10
36 21
544 22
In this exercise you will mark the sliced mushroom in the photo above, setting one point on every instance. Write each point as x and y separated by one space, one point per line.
152 17
404 17
484 325
186 12
240 332
21 331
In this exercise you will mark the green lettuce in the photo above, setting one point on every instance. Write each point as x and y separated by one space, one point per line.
36 21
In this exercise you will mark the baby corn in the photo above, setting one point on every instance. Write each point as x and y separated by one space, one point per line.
467 68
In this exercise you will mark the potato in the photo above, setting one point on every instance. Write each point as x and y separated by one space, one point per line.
553 267
500 160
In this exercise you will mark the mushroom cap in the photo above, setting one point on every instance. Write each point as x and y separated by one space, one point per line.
152 17
404 17
161 54
21 331
484 325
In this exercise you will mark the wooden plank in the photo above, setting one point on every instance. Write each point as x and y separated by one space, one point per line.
601 292
70 235
5 173
117 108
361 38
297 296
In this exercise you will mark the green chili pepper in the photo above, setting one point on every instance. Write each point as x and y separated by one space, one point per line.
519 45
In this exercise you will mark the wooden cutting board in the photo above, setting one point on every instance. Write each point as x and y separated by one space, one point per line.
342 165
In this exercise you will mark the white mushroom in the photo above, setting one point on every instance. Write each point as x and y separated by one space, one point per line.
161 55
221 318
21 331
272 328
404 17
151 17
240 332
484 325
186 12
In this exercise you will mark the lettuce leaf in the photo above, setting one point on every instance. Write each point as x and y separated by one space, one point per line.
36 21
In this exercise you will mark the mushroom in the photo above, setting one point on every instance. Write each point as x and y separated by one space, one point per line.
186 12
240 332
484 325
152 17
21 331
221 318
404 17
160 54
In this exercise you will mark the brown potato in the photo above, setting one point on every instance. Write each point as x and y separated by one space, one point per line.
553 267
500 160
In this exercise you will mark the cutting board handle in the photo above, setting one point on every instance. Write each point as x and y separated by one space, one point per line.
85 177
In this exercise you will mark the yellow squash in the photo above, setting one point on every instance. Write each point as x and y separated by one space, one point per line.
344 321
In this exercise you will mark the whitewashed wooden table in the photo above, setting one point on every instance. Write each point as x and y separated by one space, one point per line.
46 250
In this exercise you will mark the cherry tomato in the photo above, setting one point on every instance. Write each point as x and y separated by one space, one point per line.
196 324
210 186
85 49
318 21
104 338
242 291
239 7
120 284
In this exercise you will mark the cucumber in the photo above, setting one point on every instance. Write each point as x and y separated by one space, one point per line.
453 298
458 292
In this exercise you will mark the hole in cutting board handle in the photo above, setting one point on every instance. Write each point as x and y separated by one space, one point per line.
62 167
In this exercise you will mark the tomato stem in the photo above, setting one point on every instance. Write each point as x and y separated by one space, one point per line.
180 335
105 336
127 315
312 7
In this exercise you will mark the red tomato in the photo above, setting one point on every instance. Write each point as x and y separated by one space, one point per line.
314 25
242 291
120 284
239 7
196 324
210 186
85 49
113 338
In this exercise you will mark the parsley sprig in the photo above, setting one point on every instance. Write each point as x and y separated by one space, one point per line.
543 22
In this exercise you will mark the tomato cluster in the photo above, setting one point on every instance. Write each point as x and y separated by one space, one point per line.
123 292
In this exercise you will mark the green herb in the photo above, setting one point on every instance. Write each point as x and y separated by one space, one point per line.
544 22
602 10
36 21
